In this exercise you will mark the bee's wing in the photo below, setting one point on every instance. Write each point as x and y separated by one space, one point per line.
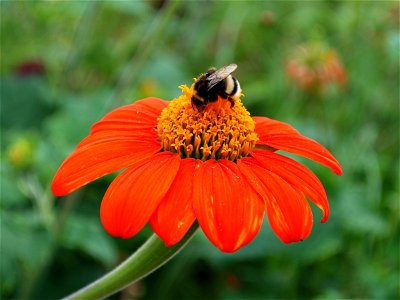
220 75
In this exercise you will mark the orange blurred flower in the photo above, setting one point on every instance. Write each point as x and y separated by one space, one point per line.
314 67
219 167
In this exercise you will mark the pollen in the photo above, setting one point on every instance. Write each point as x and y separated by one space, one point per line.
217 132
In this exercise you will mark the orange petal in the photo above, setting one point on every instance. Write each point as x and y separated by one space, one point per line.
228 210
88 163
284 137
122 138
141 114
134 195
288 211
175 215
252 179
135 120
297 175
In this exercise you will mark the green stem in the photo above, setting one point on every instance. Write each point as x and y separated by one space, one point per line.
152 255
55 225
150 41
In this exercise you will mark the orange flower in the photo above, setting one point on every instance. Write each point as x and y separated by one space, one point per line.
314 66
218 166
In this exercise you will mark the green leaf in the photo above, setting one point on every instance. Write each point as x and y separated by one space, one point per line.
24 102
86 234
11 195
24 244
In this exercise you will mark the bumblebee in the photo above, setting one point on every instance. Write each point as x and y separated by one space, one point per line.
216 83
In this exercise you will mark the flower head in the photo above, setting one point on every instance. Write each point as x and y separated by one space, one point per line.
218 166
313 67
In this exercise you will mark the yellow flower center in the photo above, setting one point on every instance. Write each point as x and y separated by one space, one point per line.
218 132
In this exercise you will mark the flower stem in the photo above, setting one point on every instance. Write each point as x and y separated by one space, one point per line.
149 257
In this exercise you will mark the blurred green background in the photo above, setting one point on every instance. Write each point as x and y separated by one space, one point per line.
65 64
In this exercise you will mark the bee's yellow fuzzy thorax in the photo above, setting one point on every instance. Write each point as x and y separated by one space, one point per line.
218 132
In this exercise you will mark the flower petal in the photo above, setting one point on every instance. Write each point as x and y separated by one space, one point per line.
122 138
228 210
284 137
134 195
134 120
175 215
297 175
88 163
141 114
288 211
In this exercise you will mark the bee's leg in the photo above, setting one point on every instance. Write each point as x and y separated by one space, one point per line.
231 101
199 105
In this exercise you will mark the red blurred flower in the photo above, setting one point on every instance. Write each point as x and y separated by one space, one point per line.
314 67
218 166
30 68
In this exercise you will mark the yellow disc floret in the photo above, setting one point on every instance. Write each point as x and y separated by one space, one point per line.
218 132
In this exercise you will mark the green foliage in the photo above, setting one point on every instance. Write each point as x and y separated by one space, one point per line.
99 55
30 94
75 236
